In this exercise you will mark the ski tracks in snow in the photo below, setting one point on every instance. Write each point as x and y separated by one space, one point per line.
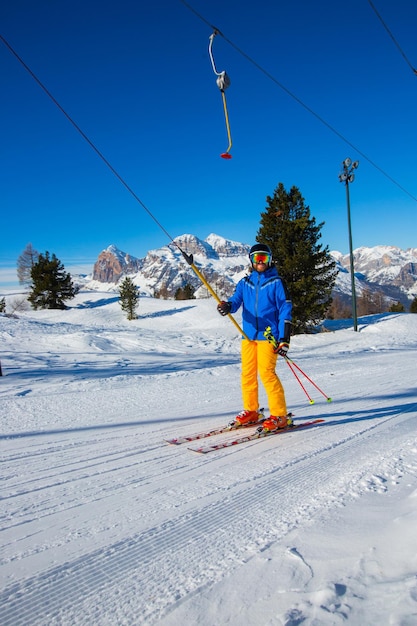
197 520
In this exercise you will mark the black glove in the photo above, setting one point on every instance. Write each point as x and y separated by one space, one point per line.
224 308
282 348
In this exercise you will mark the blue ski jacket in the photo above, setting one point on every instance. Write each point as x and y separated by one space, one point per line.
266 302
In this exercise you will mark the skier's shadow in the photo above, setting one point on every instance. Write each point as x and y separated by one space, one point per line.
379 412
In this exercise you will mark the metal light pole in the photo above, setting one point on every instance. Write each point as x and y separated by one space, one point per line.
347 176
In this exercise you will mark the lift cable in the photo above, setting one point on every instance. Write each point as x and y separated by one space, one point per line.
300 102
188 257
84 136
393 38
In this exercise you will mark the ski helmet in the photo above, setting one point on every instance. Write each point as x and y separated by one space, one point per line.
262 248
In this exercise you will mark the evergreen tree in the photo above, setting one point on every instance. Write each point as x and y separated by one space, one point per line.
129 298
189 292
51 284
25 262
305 266
185 293
413 306
397 307
3 305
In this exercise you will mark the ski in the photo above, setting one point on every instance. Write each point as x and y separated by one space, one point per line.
216 431
253 436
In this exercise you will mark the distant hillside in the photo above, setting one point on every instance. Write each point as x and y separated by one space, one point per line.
224 262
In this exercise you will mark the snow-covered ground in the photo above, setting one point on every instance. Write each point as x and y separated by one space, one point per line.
104 523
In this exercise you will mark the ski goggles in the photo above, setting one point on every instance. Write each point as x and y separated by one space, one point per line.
260 257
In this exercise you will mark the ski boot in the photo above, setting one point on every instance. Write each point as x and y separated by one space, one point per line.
244 418
276 423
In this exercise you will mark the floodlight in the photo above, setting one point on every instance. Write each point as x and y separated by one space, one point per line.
347 176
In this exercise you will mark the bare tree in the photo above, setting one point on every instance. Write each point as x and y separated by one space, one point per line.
25 262
370 302
338 309
19 303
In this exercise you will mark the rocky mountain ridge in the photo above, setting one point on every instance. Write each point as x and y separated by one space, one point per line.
224 262
381 268
164 270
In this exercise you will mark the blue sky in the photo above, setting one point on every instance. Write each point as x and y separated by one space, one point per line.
137 79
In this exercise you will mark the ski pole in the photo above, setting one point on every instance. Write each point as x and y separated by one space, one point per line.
190 260
270 337
292 363
288 362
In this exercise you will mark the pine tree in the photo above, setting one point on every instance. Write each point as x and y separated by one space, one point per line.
25 262
51 285
129 298
397 307
305 266
185 293
2 305
413 306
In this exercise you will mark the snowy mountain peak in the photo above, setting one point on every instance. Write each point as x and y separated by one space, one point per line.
227 247
193 245
112 264
224 261
386 266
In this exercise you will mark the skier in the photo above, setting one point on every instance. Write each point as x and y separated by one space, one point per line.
266 302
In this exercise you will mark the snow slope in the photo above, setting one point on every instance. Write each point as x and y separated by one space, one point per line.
104 523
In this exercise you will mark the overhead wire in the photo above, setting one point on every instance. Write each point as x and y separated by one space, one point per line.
298 100
188 257
248 58
413 69
84 136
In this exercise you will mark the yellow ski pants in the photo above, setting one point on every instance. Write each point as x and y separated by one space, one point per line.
258 356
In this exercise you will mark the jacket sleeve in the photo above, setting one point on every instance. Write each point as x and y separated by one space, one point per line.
237 298
284 305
